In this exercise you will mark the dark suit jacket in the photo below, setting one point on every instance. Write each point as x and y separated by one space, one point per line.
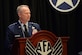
15 30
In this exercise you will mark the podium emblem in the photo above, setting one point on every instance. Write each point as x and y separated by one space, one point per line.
44 46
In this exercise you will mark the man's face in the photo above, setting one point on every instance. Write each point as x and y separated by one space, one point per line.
24 14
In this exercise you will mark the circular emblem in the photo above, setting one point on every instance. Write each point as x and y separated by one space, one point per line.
64 5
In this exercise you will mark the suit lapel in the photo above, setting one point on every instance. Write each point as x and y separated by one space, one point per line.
19 29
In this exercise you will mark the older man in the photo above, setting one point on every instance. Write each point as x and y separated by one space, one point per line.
22 28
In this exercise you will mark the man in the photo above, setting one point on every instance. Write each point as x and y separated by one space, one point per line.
23 28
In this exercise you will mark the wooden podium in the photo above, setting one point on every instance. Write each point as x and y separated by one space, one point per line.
20 43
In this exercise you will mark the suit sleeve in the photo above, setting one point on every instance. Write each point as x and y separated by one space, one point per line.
9 41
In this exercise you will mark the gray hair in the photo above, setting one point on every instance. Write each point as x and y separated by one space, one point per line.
20 6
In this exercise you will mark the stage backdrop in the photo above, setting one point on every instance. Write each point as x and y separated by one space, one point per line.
60 23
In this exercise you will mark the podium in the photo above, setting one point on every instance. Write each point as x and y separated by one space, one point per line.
20 43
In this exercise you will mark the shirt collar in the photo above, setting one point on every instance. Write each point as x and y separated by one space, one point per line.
23 24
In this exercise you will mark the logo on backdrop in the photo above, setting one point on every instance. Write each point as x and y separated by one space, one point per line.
64 5
44 48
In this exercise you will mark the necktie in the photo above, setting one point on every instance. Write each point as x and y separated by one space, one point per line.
26 32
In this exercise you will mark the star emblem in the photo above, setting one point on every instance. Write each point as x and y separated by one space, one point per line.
64 5
59 2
